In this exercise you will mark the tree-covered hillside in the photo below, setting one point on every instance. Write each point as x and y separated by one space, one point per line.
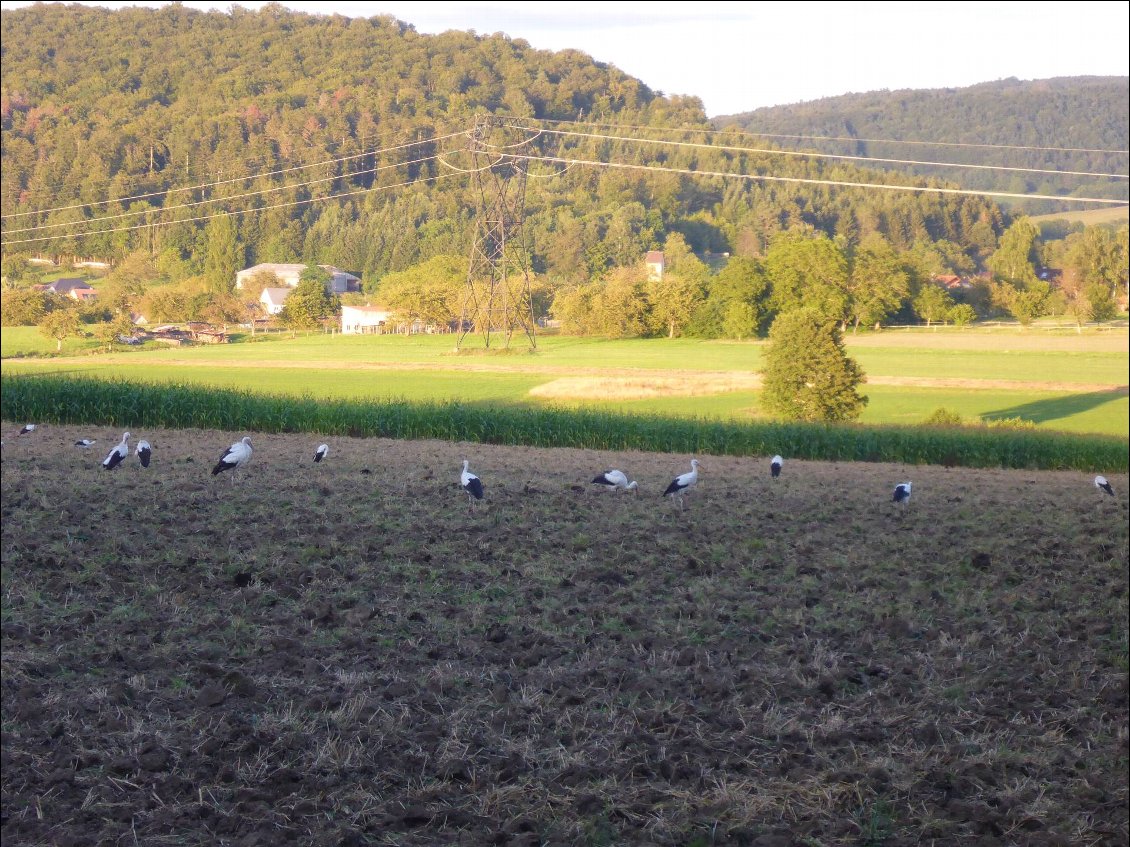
1008 123
136 103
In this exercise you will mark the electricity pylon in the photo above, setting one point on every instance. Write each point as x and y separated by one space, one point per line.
497 298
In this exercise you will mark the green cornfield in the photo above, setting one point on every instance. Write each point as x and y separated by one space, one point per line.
71 400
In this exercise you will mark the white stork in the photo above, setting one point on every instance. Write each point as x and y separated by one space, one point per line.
1103 485
117 455
615 481
902 493
775 466
235 457
321 453
471 484
28 428
144 452
683 483
85 442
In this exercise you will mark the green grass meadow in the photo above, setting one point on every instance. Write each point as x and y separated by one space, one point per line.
1067 382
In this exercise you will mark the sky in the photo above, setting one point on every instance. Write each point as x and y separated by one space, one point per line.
740 56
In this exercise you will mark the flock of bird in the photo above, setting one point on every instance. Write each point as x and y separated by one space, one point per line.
239 454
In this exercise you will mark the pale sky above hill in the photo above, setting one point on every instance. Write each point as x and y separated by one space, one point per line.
739 56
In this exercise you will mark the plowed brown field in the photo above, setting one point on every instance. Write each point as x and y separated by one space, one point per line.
345 653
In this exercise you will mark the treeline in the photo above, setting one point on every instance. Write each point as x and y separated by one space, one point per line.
1077 124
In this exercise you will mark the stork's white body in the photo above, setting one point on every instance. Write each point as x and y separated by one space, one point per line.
471 484
683 483
615 481
234 458
117 455
144 452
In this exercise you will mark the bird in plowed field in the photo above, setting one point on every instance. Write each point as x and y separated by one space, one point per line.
615 481
775 466
85 442
1103 485
118 454
234 458
321 453
471 484
144 452
901 493
683 483
28 428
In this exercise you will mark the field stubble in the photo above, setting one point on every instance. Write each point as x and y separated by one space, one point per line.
345 653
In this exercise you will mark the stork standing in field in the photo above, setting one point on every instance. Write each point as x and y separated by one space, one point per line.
1103 485
615 481
144 452
117 455
234 458
901 494
321 453
471 484
683 483
775 466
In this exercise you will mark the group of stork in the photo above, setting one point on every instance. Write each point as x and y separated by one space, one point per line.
239 454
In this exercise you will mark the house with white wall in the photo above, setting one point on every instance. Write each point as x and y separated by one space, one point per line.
365 320
654 262
272 299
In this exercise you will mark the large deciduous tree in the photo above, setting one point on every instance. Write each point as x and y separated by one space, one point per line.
808 375
60 325
309 303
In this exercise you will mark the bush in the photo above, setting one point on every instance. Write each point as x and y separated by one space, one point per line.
943 417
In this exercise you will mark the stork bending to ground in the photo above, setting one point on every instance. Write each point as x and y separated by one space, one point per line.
775 466
144 452
615 481
321 453
901 493
1103 485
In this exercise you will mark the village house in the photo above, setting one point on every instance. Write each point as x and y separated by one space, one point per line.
73 287
655 265
272 299
288 274
364 320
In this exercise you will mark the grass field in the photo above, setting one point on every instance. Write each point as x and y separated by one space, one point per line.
1066 381
347 654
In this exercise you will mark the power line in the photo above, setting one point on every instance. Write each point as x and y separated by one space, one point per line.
235 179
771 152
246 194
730 130
807 181
232 213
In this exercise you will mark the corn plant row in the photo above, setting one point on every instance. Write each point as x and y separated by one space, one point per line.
74 400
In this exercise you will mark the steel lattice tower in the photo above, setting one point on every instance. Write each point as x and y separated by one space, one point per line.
497 299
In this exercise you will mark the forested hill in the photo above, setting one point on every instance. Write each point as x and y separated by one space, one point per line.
139 105
985 124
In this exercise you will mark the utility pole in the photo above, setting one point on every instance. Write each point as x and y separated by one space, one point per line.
497 298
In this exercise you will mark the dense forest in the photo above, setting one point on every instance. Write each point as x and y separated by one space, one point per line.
1008 123
183 146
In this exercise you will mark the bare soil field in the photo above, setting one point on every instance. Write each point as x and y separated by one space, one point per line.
348 653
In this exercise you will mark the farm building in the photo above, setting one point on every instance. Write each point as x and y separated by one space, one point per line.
288 275
655 265
363 320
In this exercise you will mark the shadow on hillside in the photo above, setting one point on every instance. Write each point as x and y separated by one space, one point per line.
1054 408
